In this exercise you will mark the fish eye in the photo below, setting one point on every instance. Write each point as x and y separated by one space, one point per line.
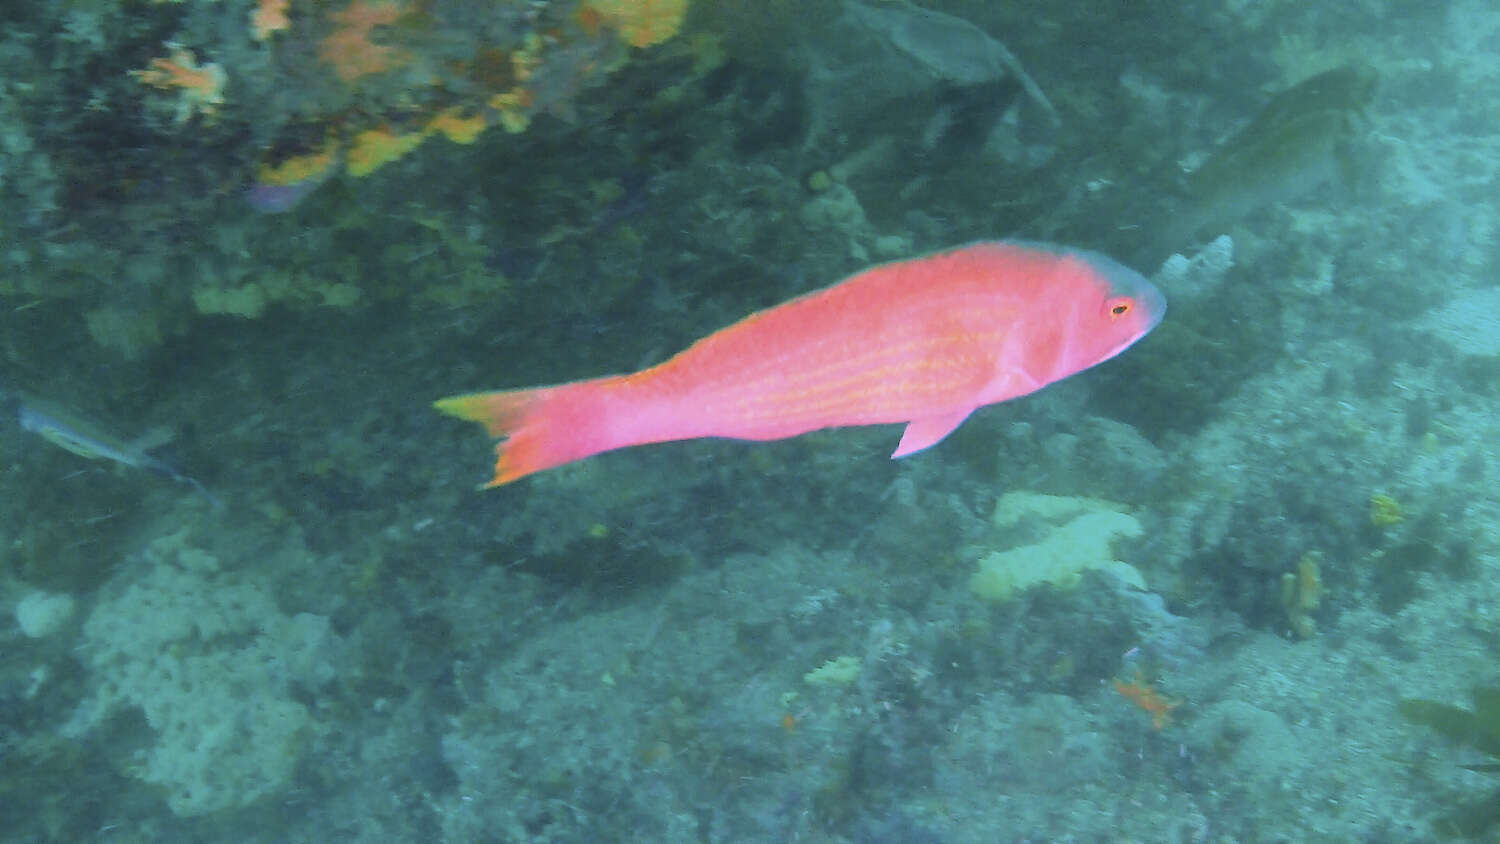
1119 306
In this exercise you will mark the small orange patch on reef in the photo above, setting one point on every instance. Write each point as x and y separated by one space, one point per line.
200 87
268 17
350 50
589 20
1149 698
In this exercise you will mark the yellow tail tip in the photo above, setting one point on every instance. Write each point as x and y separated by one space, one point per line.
468 407
503 414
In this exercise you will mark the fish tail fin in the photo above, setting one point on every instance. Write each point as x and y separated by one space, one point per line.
501 413
538 428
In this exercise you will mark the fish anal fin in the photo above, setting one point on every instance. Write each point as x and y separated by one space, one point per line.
929 431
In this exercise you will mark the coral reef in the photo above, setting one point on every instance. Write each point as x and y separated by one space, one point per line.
266 106
723 640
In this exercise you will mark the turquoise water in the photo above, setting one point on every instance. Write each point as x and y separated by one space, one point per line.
1178 597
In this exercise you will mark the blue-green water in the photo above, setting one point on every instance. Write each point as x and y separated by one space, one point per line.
1178 597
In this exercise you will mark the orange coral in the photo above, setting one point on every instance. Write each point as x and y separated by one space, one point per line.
503 86
1149 698
590 20
641 23
350 50
200 87
268 16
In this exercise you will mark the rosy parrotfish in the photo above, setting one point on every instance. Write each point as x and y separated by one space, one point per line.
924 341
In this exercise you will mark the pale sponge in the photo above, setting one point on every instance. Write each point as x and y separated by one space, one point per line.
1053 539
43 613
211 662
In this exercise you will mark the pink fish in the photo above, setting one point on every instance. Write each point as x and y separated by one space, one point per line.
924 341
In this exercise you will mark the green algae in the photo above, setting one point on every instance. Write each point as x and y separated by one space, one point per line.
1476 729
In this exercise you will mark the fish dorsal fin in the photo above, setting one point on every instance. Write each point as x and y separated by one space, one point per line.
929 431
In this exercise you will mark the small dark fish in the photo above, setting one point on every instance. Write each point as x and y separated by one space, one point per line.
1301 139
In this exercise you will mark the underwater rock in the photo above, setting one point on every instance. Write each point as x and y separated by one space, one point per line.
211 663
1190 279
1469 322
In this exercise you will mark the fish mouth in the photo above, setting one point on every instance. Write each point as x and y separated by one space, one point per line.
1155 302
1147 297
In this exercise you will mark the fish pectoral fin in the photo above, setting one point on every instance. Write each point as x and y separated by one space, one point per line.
929 431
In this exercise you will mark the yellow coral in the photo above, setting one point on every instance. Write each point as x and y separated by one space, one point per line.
1385 511
513 108
349 48
374 148
1301 593
300 168
642 23
455 127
